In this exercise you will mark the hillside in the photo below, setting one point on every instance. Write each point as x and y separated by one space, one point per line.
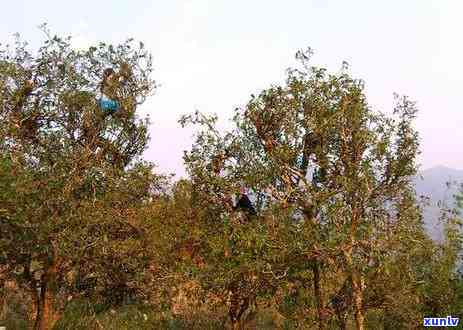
433 184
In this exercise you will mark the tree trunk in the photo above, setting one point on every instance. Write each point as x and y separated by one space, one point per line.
2 300
341 301
34 308
357 294
355 275
357 290
46 315
240 302
238 307
318 295
236 325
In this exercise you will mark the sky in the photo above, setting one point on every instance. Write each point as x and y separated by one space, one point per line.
211 55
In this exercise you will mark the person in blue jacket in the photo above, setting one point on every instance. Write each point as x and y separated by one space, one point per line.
107 89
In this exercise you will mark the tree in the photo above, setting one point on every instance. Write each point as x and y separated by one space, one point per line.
314 149
72 179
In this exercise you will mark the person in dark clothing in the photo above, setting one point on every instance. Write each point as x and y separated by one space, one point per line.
245 204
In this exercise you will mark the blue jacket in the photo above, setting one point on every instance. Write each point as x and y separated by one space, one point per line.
108 105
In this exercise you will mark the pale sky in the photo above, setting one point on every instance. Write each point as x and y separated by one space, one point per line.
211 55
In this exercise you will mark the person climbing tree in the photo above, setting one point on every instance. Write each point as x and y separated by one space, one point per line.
245 204
107 101
116 91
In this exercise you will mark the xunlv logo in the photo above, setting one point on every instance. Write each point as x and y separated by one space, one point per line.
441 321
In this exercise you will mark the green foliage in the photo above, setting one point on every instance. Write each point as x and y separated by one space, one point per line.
72 180
92 238
440 272
355 219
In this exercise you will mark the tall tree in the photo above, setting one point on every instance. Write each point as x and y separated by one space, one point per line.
71 176
314 148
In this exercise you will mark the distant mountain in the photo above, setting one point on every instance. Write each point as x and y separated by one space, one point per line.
433 183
